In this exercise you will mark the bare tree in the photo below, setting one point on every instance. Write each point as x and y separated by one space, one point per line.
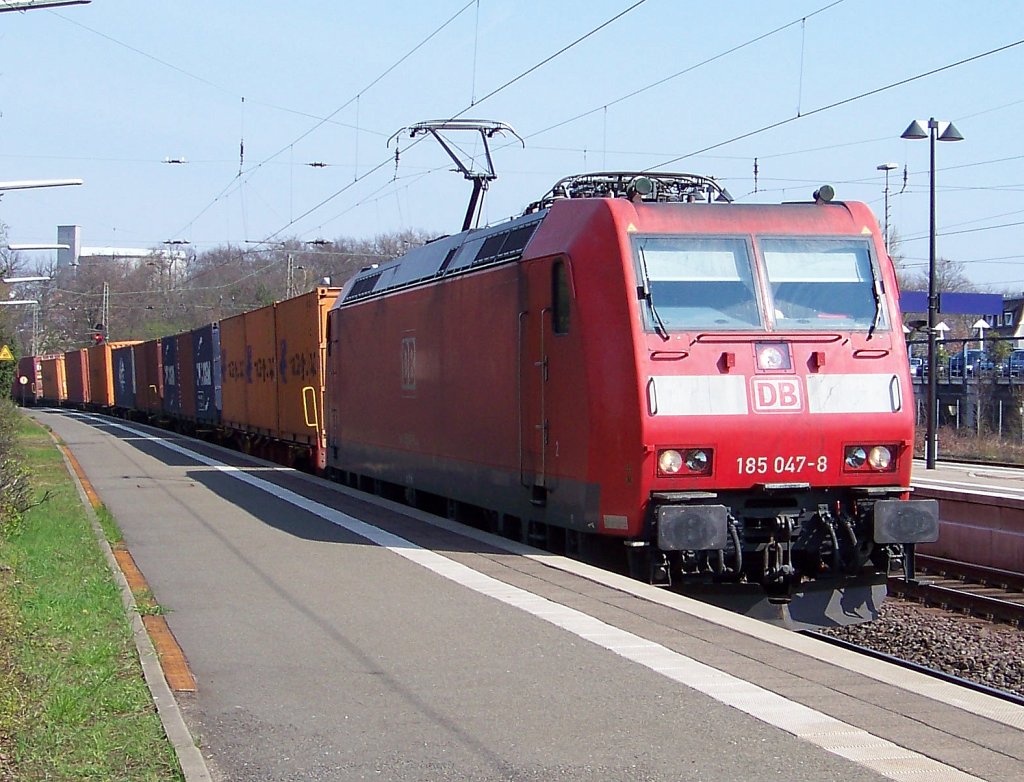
161 294
950 277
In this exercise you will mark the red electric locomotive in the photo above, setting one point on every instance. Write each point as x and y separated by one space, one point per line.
718 392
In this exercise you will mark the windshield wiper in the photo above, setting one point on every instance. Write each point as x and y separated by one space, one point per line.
877 289
645 293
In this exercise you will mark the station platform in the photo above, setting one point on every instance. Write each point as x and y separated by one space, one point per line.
970 479
336 636
981 513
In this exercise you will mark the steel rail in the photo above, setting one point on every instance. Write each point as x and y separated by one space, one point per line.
1009 580
961 599
995 692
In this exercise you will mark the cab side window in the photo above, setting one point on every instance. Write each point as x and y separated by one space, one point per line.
559 298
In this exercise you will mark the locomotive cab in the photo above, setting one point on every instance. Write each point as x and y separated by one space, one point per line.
809 299
774 404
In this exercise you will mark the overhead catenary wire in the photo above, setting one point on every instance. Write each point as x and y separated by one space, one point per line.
580 39
476 41
375 195
381 164
330 116
819 110
551 57
489 95
837 104
762 156
684 71
1002 259
190 75
800 79
915 237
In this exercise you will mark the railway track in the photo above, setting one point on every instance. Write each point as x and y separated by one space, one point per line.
989 593
960 681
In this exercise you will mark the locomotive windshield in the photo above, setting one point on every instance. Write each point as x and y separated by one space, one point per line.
708 283
822 283
704 283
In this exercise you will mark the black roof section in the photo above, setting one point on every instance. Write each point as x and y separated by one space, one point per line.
446 257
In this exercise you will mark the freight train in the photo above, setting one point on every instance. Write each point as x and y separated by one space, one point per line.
635 370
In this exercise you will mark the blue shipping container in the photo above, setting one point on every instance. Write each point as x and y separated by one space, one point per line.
206 360
172 388
123 361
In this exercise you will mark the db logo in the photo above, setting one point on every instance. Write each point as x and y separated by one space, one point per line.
777 395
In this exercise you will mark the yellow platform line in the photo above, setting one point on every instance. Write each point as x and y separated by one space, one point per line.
172 659
94 499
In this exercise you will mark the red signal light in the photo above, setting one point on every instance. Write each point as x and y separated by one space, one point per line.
98 339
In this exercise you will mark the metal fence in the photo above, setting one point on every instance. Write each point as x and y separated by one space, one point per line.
980 392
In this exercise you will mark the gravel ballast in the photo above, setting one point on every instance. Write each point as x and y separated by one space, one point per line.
984 652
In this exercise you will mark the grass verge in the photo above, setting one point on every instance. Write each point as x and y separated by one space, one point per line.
73 703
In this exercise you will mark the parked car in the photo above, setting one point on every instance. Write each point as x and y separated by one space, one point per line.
1015 364
970 363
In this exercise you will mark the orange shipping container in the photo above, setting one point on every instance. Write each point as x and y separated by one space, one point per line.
55 384
76 371
149 377
301 340
261 371
101 373
248 366
234 369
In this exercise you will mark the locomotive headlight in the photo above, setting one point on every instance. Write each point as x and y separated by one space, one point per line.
880 457
691 461
773 356
869 457
697 461
670 462
855 457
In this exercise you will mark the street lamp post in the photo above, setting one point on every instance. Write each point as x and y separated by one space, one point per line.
916 131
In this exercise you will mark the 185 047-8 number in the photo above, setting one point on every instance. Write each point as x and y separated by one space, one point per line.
793 465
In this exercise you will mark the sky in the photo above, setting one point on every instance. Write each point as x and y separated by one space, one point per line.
803 93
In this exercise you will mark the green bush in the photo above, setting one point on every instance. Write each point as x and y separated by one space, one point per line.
15 495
